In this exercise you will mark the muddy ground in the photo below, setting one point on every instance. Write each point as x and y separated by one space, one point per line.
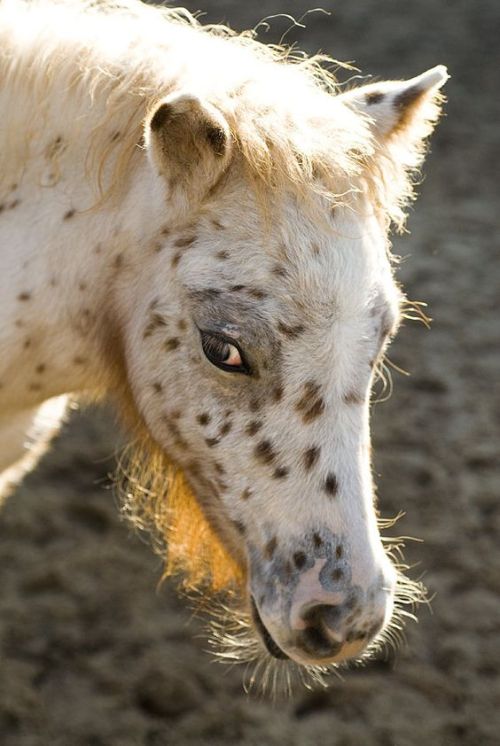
92 655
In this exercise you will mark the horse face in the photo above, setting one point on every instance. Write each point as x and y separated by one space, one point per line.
258 350
252 367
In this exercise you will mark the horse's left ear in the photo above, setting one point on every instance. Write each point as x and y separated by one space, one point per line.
189 142
405 107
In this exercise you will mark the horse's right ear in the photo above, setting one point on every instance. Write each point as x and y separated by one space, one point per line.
189 142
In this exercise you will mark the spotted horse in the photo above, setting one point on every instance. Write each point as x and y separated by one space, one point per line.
195 226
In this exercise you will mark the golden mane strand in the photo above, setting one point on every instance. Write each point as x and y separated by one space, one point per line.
158 499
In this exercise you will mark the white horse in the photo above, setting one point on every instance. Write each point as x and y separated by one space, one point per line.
195 225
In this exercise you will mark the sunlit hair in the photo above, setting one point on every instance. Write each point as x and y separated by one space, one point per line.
113 60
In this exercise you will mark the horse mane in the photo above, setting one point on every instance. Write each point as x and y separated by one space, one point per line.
116 59
157 499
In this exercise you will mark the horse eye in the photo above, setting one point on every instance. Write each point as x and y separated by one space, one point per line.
222 353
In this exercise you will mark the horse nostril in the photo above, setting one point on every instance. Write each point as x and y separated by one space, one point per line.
317 643
315 638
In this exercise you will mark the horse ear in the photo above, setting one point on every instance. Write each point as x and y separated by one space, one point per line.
190 142
404 108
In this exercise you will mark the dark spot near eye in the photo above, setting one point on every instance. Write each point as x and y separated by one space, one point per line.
185 241
317 541
157 387
270 548
237 288
299 559
375 97
172 343
240 527
225 429
337 574
222 255
257 293
219 468
264 452
24 296
281 472
253 427
331 485
277 393
203 418
353 398
211 442
311 403
246 493
291 331
254 405
339 551
40 368
68 215
311 456
176 259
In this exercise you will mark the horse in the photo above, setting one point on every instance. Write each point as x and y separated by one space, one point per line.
195 225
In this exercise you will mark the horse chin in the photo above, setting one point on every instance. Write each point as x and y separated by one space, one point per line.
271 647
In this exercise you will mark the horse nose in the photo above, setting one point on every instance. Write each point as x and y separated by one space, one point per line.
329 631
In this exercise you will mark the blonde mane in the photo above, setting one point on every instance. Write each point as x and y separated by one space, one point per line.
115 60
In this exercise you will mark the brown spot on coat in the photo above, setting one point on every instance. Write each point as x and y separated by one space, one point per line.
246 493
270 548
281 472
225 429
374 97
222 255
264 452
253 427
40 368
255 405
211 442
203 418
291 331
299 559
331 485
311 456
157 387
172 344
311 404
69 214
257 293
277 393
24 296
185 241
353 397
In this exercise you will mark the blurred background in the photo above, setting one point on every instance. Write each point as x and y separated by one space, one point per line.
92 654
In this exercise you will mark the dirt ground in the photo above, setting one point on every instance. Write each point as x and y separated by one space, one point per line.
93 655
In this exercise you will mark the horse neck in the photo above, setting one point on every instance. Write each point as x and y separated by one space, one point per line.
63 256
